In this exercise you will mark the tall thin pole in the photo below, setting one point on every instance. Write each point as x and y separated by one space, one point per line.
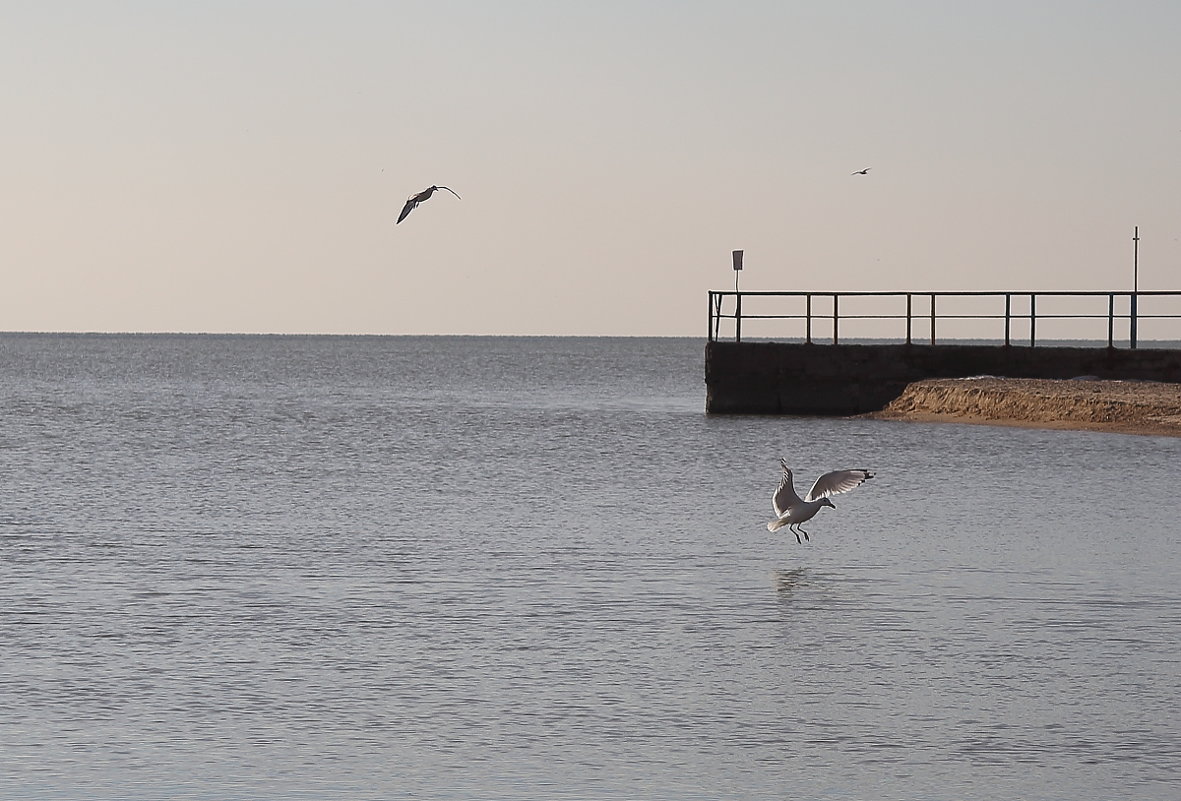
1135 260
1135 280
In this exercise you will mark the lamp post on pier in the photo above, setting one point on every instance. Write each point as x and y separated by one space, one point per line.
1135 282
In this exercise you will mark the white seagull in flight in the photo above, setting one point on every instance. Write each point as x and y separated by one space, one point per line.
862 172
791 511
417 198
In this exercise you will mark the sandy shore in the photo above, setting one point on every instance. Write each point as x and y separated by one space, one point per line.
1127 407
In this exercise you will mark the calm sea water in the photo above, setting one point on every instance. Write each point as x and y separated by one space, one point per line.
480 568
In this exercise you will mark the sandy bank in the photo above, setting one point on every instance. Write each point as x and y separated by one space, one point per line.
1128 407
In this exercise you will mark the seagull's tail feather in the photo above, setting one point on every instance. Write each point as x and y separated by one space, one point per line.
775 525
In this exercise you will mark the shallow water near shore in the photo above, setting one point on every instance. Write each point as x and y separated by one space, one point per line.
372 568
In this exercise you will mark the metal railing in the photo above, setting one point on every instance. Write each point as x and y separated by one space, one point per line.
921 311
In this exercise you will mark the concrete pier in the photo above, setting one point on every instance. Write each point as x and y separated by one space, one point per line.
809 379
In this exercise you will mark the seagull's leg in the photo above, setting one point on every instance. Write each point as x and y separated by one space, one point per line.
792 529
805 535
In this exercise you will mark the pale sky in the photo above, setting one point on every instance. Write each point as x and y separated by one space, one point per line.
224 166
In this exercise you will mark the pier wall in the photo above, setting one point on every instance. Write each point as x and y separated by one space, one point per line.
794 378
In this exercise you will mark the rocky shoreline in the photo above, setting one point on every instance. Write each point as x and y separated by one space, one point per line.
1127 407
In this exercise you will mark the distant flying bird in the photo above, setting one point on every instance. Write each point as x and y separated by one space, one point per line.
862 172
791 511
413 201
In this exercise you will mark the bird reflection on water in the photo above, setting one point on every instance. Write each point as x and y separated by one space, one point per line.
788 581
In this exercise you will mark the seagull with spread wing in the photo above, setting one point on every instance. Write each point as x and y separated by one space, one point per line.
862 172
413 201
791 511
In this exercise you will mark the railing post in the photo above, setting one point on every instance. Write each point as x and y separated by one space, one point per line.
932 318
1133 326
1008 316
709 331
1111 320
1032 319
835 317
737 316
808 314
908 299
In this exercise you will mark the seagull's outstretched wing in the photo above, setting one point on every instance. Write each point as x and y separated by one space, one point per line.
785 496
413 201
836 482
409 207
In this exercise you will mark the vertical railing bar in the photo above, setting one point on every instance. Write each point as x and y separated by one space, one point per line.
1008 316
1111 320
709 331
737 316
908 317
808 314
1132 325
932 318
835 317
1032 319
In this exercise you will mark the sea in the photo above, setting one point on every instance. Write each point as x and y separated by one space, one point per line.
336 567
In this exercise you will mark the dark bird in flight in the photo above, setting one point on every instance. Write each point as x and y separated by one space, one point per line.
413 201
861 172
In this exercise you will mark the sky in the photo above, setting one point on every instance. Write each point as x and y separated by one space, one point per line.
238 166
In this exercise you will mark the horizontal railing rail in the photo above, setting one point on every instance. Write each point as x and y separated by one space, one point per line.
930 315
